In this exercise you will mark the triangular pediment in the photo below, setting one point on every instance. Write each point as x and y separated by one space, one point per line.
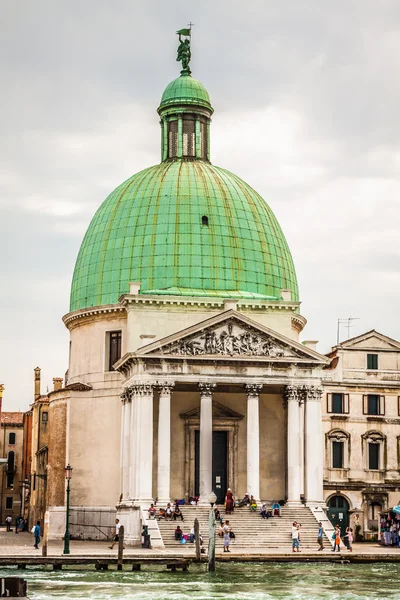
219 411
371 340
232 335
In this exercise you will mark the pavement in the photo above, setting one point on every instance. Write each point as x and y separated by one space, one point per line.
21 544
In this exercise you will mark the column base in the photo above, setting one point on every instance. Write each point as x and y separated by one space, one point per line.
294 503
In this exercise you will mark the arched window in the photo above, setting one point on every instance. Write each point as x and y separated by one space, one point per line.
204 221
338 446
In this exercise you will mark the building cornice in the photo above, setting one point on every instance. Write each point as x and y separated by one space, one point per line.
72 318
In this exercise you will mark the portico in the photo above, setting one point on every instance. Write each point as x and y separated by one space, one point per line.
266 391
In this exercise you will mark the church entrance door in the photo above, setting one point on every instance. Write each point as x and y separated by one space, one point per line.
219 464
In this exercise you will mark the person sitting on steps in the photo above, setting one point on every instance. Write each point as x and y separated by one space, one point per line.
253 504
276 509
177 513
178 533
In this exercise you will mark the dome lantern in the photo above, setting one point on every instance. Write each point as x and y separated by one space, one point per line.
185 111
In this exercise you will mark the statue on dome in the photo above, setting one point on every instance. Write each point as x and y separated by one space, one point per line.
184 53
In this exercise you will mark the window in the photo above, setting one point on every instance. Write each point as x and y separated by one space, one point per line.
189 136
11 439
372 361
10 481
45 417
114 348
337 455
172 139
10 461
373 455
373 404
338 403
9 502
204 221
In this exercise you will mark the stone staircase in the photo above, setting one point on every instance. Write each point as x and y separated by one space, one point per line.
252 532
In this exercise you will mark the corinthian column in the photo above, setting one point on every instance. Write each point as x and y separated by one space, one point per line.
205 440
314 454
141 443
164 443
253 439
293 398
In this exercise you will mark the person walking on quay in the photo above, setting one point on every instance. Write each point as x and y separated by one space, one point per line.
321 533
336 538
349 539
295 538
17 524
227 538
116 534
36 535
8 522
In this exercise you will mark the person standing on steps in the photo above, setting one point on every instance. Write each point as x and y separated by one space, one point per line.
295 538
321 532
229 501
227 538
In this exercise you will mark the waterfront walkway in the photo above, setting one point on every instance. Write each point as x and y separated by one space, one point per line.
21 544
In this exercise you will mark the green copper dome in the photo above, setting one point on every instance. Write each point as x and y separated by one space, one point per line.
185 90
183 228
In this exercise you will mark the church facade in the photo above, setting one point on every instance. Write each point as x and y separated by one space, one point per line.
186 374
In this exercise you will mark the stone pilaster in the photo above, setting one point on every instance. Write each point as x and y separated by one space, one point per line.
141 443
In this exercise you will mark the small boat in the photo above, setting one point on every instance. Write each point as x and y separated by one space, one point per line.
13 587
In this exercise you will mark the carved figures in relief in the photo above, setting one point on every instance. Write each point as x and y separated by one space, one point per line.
246 342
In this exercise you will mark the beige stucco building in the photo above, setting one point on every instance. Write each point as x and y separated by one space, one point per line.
11 451
362 429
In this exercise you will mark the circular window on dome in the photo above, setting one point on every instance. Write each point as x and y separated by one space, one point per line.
204 221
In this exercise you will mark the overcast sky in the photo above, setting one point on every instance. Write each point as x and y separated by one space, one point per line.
306 97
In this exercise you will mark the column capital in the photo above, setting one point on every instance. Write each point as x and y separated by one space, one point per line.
292 393
125 396
312 392
253 389
165 387
206 389
141 388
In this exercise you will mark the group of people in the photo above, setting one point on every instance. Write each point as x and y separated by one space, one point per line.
347 539
166 513
21 524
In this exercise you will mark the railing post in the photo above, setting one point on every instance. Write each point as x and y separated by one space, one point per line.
120 547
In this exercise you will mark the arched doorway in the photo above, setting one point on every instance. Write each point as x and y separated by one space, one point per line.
338 512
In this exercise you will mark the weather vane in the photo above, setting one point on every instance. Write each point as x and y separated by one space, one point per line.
184 53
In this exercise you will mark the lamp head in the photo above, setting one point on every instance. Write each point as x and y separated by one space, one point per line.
212 498
68 471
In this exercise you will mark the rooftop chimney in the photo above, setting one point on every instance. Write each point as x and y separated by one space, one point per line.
37 382
57 383
312 344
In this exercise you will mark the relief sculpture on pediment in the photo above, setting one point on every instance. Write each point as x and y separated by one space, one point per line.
229 340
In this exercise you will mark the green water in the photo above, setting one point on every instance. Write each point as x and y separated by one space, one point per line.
255 581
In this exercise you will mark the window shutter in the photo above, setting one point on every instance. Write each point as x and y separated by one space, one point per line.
346 403
329 403
365 404
381 405
398 405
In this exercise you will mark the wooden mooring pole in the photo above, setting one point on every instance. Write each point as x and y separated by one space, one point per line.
197 539
120 548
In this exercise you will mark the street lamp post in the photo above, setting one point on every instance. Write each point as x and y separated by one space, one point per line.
68 474
211 533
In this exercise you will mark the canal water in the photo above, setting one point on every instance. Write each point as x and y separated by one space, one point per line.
246 581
